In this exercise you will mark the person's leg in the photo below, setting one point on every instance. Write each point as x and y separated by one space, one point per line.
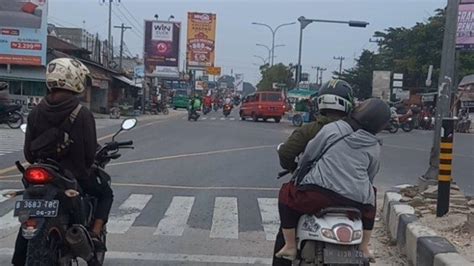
289 220
21 246
279 243
364 246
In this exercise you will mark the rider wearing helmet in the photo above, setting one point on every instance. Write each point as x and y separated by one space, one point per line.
66 78
335 100
337 168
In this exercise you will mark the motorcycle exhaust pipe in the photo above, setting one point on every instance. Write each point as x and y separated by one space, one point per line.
80 242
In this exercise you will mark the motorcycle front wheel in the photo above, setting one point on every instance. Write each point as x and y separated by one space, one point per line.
407 127
15 120
393 128
166 111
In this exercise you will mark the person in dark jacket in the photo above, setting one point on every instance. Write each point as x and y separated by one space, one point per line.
335 101
66 78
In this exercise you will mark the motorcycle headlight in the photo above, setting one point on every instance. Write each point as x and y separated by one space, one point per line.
409 119
426 118
328 233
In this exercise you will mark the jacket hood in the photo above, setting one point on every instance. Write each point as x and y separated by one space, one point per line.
357 139
56 108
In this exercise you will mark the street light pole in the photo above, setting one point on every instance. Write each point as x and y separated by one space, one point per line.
274 31
305 22
270 49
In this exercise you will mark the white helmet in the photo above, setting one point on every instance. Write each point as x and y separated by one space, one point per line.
67 74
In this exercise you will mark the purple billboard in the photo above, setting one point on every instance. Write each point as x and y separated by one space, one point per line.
465 31
162 48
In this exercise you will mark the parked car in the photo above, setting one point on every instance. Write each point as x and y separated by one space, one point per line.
180 99
263 105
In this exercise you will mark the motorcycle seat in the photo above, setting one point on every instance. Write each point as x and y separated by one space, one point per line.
352 212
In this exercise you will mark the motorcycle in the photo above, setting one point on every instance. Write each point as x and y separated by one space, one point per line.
227 110
216 107
162 107
206 110
12 116
406 121
55 216
427 122
393 125
330 237
464 124
114 113
193 115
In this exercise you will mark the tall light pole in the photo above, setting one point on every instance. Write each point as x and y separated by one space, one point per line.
273 35
305 22
269 49
261 58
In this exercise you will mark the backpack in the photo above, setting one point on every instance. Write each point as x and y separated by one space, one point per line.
55 142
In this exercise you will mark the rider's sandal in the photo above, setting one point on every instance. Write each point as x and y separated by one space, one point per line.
99 246
287 255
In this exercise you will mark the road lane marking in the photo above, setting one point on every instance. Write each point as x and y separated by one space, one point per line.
3 191
225 220
232 118
128 212
204 118
192 155
270 218
213 118
222 118
172 257
7 221
176 217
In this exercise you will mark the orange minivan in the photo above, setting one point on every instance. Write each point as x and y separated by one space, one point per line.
263 105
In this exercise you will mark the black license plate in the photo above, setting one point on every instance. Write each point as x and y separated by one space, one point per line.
343 256
37 208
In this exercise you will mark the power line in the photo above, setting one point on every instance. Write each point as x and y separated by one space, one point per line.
138 27
139 36
132 16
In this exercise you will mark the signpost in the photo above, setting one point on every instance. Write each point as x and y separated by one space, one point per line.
214 71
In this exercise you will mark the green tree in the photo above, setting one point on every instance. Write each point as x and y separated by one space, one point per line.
275 74
360 76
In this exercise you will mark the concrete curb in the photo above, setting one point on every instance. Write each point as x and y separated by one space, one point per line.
421 244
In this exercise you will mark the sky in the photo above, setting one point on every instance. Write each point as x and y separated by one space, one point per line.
236 36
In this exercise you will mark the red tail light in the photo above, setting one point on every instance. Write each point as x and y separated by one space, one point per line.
37 175
344 234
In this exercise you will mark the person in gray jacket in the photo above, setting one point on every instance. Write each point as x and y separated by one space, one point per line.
337 169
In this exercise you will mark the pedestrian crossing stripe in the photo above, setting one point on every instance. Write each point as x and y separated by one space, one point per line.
225 217
11 140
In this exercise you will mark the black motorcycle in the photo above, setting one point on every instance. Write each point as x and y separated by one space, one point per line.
55 216
227 110
193 115
162 107
12 116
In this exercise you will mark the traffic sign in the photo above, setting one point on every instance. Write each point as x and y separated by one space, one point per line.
215 71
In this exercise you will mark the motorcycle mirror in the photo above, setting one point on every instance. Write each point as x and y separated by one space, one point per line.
23 128
128 124
279 146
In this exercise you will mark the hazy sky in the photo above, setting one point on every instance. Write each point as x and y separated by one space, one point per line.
236 36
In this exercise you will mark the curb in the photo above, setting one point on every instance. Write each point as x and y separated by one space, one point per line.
421 244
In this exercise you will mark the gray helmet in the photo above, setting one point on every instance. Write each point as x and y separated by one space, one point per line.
372 115
336 95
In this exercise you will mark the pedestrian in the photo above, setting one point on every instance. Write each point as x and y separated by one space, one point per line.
348 153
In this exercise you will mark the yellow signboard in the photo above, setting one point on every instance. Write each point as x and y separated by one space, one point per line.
201 41
215 71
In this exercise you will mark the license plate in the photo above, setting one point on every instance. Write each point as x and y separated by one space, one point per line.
343 256
37 208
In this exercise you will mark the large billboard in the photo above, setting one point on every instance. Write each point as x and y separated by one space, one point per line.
23 31
465 31
162 48
381 85
201 40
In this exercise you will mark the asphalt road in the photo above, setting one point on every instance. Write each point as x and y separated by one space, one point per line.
204 193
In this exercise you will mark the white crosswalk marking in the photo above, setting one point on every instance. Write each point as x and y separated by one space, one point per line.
7 221
232 118
176 217
225 221
3 191
270 220
128 212
222 118
204 118
213 118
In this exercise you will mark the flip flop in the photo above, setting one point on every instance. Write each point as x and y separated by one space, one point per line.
286 256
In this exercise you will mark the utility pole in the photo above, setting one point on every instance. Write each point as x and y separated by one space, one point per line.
122 28
377 41
109 39
445 86
321 70
340 58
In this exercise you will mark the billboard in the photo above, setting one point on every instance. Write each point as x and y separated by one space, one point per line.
239 82
381 85
161 48
465 30
23 31
201 40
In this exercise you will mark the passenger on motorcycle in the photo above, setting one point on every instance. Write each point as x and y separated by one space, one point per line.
66 78
208 102
348 153
334 101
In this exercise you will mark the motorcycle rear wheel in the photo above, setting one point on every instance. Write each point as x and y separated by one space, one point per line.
407 127
393 128
44 249
15 120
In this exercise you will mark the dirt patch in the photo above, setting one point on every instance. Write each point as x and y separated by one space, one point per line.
457 226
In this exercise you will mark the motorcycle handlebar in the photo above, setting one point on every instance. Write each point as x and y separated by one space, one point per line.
125 143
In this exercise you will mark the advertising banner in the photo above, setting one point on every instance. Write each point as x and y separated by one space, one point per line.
201 40
162 48
215 71
465 31
23 31
239 82
381 85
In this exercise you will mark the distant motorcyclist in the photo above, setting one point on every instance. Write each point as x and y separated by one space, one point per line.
66 78
4 97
